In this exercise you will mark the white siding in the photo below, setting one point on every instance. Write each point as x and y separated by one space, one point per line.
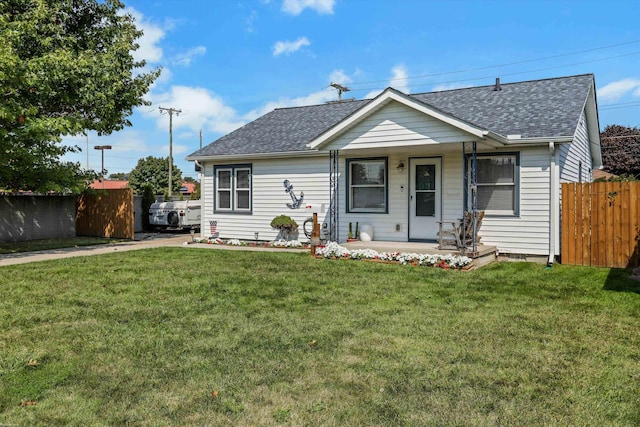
396 124
384 225
309 175
572 154
528 233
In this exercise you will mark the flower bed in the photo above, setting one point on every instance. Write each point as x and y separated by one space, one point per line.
287 244
334 250
296 244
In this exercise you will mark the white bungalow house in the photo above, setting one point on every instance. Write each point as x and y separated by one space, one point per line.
401 163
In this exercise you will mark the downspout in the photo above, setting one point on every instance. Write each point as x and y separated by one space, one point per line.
553 197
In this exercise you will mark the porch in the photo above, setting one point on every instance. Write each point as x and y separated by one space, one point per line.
484 254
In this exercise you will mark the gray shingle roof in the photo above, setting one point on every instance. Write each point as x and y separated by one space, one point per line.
537 108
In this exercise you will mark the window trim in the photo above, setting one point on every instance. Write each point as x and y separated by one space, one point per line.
516 183
233 168
348 185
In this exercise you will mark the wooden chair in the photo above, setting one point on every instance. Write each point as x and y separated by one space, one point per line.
449 235
466 235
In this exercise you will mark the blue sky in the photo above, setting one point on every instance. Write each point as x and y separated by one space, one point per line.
227 62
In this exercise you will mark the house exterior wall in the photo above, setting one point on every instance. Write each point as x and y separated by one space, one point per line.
384 225
576 153
527 233
269 199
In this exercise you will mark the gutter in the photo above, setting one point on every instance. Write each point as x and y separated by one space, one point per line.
306 153
515 140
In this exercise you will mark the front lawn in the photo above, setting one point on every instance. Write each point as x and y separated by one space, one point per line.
184 336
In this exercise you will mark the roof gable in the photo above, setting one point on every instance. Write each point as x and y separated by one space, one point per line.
387 96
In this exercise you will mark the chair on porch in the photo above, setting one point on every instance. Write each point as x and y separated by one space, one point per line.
458 234
449 235
467 236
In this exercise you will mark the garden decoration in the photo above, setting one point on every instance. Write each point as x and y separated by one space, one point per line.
285 224
295 201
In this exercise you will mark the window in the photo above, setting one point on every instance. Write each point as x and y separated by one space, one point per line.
233 188
497 179
367 181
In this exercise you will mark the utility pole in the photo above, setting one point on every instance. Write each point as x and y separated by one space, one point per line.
102 148
170 111
87 135
200 138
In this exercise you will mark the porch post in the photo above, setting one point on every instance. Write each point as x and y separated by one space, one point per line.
474 196
465 192
334 188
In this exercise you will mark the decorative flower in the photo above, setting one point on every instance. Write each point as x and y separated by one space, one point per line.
334 250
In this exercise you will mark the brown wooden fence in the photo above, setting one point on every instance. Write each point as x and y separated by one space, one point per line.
108 213
600 224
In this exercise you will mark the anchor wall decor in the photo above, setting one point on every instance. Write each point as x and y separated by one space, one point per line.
295 201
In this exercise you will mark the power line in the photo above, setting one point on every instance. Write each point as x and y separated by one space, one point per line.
620 105
497 66
509 74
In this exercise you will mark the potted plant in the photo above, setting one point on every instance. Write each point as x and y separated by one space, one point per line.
285 225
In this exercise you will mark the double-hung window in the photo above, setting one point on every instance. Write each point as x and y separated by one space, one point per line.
497 178
233 188
367 185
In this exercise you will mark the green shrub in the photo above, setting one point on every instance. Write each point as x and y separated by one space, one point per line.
284 222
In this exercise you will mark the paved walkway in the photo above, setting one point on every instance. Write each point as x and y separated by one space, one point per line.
142 241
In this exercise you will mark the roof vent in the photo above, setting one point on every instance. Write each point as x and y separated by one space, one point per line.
497 84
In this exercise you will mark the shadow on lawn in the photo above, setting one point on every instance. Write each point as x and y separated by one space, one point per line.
619 279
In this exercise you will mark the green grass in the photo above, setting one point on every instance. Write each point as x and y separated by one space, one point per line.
145 337
46 244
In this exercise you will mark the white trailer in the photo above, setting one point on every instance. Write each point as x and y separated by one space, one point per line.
180 214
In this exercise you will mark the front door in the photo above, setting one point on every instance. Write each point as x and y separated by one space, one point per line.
424 198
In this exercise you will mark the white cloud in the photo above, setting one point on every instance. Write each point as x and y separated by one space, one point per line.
185 58
399 78
448 86
201 109
616 90
250 22
149 49
314 98
289 47
397 81
165 77
295 7
176 149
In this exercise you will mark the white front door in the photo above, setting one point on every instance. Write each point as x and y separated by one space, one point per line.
424 198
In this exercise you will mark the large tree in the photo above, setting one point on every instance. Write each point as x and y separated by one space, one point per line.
621 150
154 172
66 67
